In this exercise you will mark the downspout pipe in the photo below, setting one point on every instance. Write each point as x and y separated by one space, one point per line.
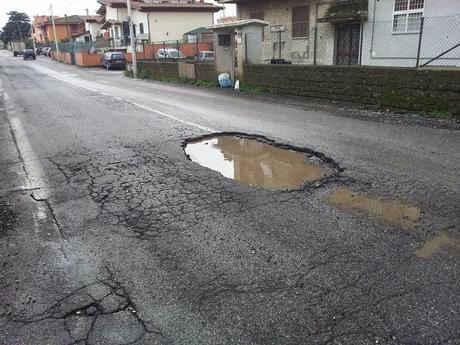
148 27
373 29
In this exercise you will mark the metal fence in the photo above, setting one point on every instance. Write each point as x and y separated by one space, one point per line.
431 41
171 49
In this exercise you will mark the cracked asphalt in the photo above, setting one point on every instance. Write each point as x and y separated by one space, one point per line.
110 235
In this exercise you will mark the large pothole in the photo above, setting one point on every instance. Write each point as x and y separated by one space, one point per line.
257 161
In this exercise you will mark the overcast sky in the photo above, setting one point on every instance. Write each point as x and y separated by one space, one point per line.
60 7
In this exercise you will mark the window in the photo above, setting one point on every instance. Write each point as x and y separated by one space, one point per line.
141 28
300 21
116 32
225 40
407 16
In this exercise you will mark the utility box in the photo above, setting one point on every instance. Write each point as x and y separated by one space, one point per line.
236 44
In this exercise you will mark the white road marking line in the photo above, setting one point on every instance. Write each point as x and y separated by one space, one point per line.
36 177
52 74
203 128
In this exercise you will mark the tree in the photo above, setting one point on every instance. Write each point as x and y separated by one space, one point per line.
17 27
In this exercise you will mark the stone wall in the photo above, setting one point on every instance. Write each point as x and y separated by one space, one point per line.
432 91
159 69
205 71
177 70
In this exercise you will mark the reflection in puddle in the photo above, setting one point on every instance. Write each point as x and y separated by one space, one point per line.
436 244
390 211
255 163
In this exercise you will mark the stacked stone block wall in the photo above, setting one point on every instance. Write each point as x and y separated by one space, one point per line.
432 91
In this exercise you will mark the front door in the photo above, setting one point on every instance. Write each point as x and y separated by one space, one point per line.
348 37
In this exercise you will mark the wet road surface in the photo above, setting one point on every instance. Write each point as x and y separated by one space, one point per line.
109 234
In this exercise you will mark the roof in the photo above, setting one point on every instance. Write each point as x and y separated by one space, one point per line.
92 19
73 19
239 24
108 23
199 31
84 33
165 6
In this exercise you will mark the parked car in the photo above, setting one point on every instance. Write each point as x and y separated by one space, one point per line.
29 54
206 56
113 60
45 51
169 54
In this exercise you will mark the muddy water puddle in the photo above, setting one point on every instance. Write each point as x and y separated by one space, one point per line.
436 244
389 211
255 162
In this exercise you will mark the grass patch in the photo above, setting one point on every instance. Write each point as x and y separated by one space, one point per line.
129 73
253 90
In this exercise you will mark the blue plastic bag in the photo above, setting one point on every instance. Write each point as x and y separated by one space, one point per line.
224 80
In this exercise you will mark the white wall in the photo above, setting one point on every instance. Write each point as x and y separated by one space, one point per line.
165 26
94 30
441 31
111 13
138 18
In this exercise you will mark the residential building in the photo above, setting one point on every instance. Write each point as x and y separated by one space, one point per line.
394 34
155 20
39 34
93 27
199 35
367 32
66 27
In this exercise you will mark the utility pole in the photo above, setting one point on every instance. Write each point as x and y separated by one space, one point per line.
19 28
132 38
33 36
55 36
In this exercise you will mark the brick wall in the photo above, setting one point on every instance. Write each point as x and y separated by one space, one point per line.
431 91
84 59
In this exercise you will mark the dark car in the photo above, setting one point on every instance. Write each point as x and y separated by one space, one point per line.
113 60
29 54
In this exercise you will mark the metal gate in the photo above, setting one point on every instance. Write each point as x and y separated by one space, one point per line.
348 42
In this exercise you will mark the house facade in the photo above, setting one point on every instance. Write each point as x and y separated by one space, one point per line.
39 32
394 35
155 20
66 28
93 27
353 32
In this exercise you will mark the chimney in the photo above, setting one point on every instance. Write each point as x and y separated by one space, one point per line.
87 11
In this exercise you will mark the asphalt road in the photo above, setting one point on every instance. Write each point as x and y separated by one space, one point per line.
110 235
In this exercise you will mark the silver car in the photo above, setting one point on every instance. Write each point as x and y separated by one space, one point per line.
169 54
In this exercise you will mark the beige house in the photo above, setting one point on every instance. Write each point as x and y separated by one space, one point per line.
93 26
302 31
155 20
